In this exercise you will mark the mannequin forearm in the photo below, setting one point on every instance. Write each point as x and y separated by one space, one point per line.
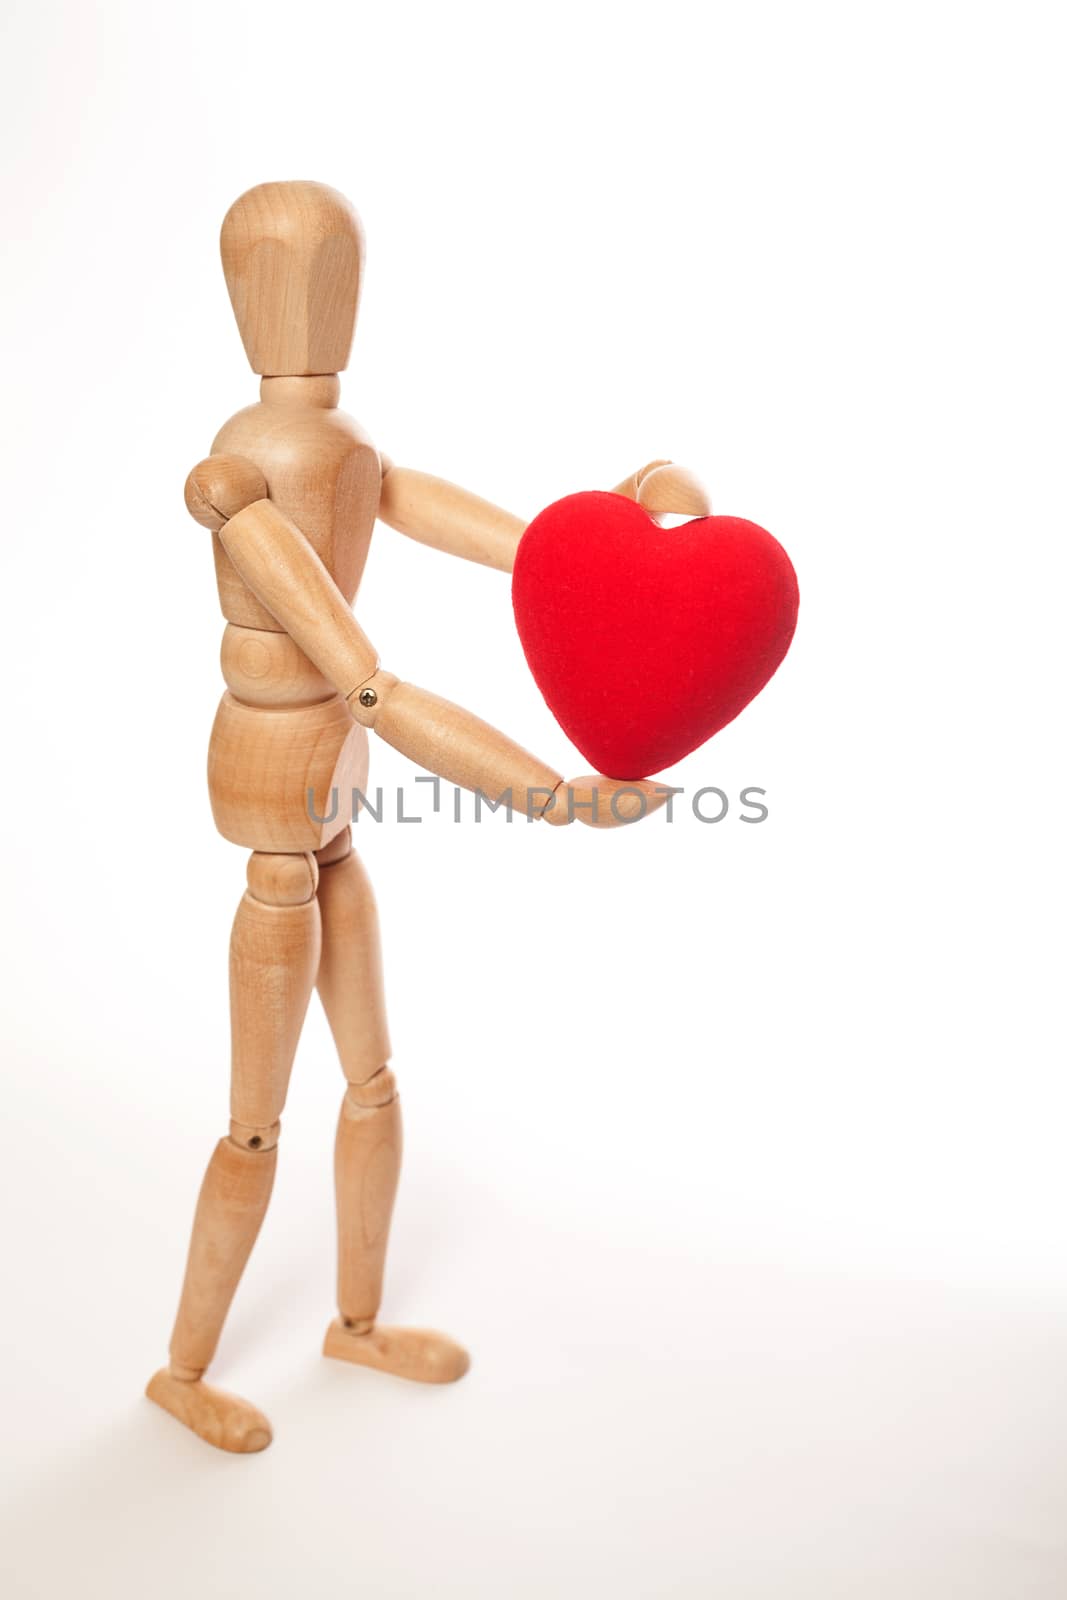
456 745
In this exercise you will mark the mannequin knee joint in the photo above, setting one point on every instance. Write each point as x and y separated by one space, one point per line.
376 1091
282 880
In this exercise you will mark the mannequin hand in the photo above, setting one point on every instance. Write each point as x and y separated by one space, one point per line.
605 802
666 489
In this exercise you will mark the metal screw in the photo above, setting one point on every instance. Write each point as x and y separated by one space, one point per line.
368 697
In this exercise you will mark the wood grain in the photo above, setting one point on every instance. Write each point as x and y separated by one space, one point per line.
290 579
264 763
421 1354
448 518
274 956
219 1418
293 255
350 980
229 1212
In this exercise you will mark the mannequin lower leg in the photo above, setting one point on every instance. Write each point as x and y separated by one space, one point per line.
366 1173
232 1204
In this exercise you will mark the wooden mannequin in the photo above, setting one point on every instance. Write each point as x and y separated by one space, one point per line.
290 493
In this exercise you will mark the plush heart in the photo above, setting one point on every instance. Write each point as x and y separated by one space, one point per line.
645 640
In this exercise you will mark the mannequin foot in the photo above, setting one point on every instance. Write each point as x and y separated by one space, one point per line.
418 1353
224 1420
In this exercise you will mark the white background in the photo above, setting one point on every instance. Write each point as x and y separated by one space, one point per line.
735 1153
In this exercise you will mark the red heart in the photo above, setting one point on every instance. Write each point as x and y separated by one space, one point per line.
645 640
